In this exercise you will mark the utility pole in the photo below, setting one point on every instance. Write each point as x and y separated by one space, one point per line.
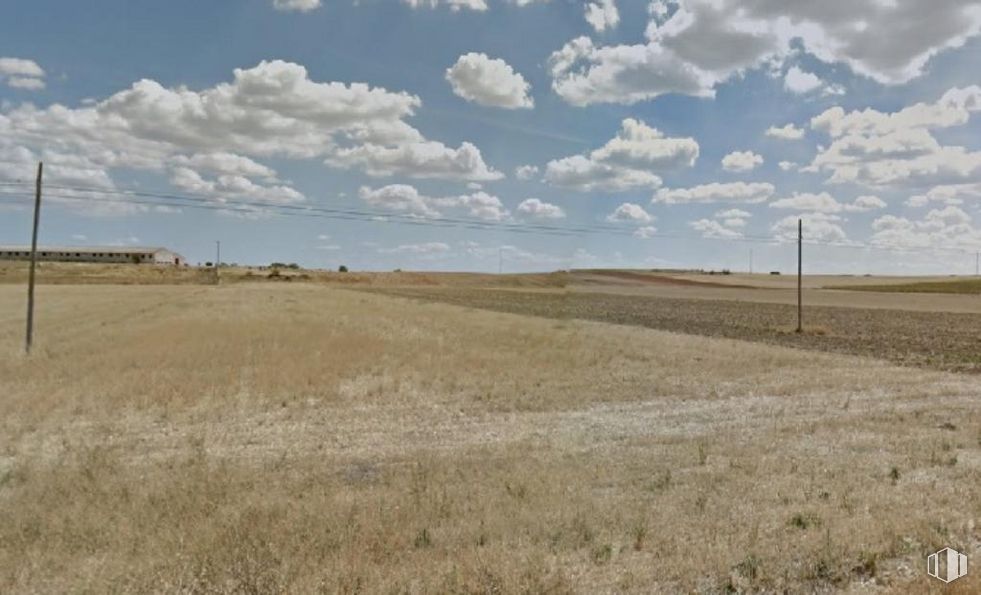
500 260
750 261
977 261
29 339
217 262
800 307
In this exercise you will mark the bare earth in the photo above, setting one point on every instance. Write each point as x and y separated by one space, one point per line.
301 438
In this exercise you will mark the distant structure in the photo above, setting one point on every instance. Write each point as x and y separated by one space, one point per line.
107 254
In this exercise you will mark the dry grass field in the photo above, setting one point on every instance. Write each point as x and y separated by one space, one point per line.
301 437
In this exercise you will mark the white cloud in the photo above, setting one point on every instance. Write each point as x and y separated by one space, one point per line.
231 186
455 5
20 73
695 45
821 227
866 203
785 132
825 203
422 248
741 161
534 207
806 201
296 5
525 172
405 198
226 163
713 229
20 67
873 148
736 192
733 214
788 165
25 83
630 212
625 162
490 82
602 15
270 110
799 81
428 159
948 194
946 228
645 232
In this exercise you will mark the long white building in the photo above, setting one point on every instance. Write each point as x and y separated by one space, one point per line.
116 254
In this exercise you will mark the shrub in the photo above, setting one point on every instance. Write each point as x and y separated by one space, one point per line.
342 269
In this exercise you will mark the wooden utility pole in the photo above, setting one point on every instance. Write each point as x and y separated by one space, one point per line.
29 339
217 262
800 307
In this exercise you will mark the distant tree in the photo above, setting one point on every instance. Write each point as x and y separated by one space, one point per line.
209 264
342 269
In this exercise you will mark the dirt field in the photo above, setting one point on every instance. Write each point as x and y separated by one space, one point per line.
941 340
302 438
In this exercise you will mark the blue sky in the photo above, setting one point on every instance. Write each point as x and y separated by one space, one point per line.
645 123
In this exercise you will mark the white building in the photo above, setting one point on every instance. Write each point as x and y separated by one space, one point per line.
129 254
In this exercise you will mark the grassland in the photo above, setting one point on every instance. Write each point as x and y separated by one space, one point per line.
304 438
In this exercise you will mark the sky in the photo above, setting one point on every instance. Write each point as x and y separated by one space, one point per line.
486 135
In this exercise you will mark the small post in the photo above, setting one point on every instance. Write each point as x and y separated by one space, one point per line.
800 307
29 340
217 262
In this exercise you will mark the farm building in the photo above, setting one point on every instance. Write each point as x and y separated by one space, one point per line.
107 254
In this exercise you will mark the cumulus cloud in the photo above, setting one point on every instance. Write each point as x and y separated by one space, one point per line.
741 161
820 227
627 161
629 212
536 208
454 5
947 194
428 159
526 172
825 203
800 82
231 186
788 165
271 110
785 132
296 5
693 46
946 228
736 192
20 73
874 148
490 82
710 228
645 232
422 248
405 198
602 15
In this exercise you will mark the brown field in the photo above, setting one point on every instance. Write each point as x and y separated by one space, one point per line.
303 437
941 340
957 286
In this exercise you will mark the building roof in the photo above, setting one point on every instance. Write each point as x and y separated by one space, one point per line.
90 249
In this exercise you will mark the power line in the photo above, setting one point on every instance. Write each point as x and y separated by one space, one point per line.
252 207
